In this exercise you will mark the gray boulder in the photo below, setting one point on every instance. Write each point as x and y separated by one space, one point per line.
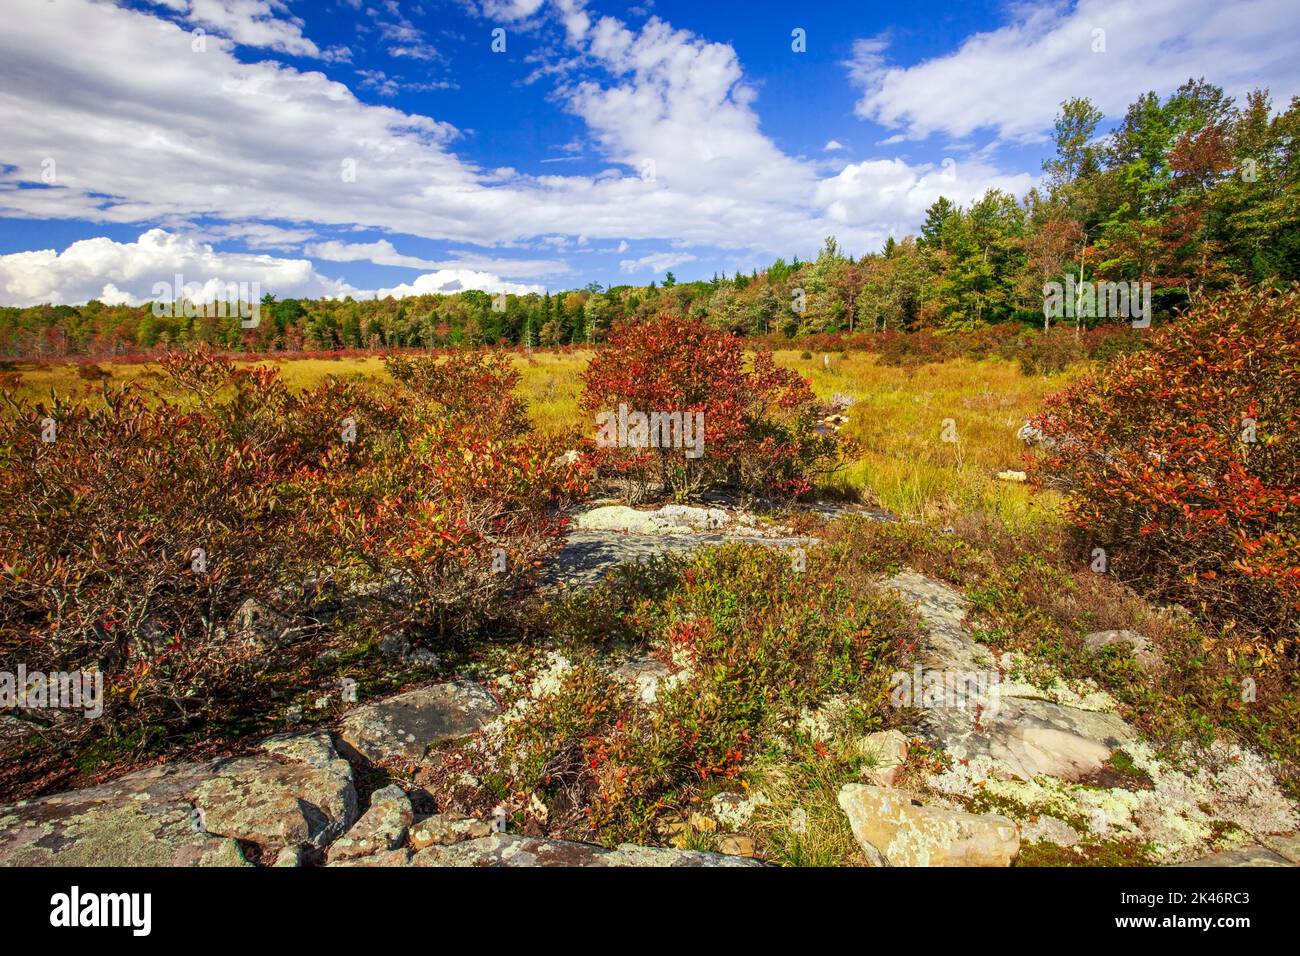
406 726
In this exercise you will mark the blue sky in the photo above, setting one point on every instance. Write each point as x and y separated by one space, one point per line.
349 147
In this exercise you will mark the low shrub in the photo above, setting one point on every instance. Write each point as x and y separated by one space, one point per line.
760 422
1183 463
136 525
753 646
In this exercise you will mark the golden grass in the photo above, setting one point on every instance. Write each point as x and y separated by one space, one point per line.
902 462
898 422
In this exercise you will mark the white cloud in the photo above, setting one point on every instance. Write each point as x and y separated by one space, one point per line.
382 252
895 195
260 235
447 281
656 262
832 145
257 23
126 272
1013 80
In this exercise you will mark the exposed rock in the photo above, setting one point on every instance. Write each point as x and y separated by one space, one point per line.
297 791
1013 475
676 516
644 674
1026 738
504 849
381 828
305 797
1034 438
1023 735
1242 856
895 831
620 518
734 810
401 857
444 829
259 625
142 819
404 727
1048 829
288 857
944 644
702 824
1285 844
398 646
588 555
1142 650
736 845
886 753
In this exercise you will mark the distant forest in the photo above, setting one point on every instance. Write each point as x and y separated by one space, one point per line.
1189 193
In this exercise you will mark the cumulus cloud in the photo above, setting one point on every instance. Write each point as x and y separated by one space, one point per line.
447 281
127 272
257 23
896 195
382 252
130 272
656 262
1012 80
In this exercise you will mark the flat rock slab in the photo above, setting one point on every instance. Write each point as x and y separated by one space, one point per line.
945 645
504 849
1243 856
1027 738
189 814
895 831
1024 737
587 556
406 726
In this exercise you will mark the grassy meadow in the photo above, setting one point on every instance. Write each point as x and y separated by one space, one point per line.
899 460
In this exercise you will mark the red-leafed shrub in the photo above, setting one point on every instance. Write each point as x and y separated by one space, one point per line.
1183 461
760 431
134 527
436 527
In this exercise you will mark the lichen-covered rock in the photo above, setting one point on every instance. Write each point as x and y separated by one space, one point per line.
944 643
1242 856
259 624
142 819
886 753
1048 829
894 831
1143 653
643 675
1023 734
297 791
1026 738
1286 845
676 516
444 829
381 828
404 727
622 518
504 849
